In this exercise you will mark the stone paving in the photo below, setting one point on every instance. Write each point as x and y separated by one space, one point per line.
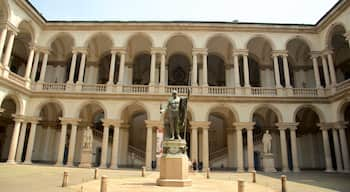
42 178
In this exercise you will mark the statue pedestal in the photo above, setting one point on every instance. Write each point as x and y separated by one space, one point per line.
85 158
174 165
268 162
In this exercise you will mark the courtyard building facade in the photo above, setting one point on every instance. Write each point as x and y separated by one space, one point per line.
57 78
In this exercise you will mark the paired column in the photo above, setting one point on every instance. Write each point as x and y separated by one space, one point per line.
239 140
112 67
325 71
205 147
122 53
337 150
341 126
276 70
284 149
194 68
286 70
30 145
2 40
194 144
8 51
115 152
105 137
153 68
293 140
314 57
331 67
73 66
82 66
250 146
148 158
236 54
35 65
72 142
29 63
62 141
14 140
205 68
43 66
326 146
22 136
246 70
236 69
162 68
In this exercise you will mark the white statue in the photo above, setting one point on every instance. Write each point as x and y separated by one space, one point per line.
88 138
267 142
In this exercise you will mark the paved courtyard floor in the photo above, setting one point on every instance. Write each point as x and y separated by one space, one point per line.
43 178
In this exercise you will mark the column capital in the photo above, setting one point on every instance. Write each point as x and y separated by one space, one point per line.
68 120
113 122
32 119
124 125
327 51
280 52
325 126
153 124
83 50
287 125
160 50
243 125
341 125
238 52
18 118
119 50
198 51
315 54
200 124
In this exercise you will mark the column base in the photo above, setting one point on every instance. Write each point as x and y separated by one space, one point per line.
285 170
113 167
27 162
102 167
69 164
296 170
251 169
240 170
329 170
11 162
59 164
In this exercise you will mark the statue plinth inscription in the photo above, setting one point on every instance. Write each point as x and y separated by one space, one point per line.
174 161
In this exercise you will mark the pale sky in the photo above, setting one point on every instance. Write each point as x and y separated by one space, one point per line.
260 11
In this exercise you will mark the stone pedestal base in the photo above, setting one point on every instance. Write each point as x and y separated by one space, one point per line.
174 165
85 158
268 163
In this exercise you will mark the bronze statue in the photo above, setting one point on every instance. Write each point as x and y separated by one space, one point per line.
176 116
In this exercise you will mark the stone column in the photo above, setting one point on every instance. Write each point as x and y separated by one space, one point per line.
331 68
162 68
316 71
239 148
250 146
62 143
72 67
284 149
327 150
82 67
2 40
8 50
205 147
72 143
112 67
30 146
205 69
325 71
43 67
194 68
104 144
337 150
277 71
293 140
286 71
236 70
148 159
153 68
115 153
121 68
246 70
194 144
14 140
344 147
22 136
35 65
29 64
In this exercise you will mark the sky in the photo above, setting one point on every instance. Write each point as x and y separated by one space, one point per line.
257 11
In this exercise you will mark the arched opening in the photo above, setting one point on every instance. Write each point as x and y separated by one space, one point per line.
98 60
260 63
309 140
139 57
179 70
341 50
141 69
21 46
219 56
179 52
299 60
6 126
221 138
265 120
58 65
91 115
47 135
133 145
104 67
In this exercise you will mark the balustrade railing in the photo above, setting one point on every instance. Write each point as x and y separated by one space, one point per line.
305 92
343 85
99 88
221 91
135 89
180 89
54 87
262 91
